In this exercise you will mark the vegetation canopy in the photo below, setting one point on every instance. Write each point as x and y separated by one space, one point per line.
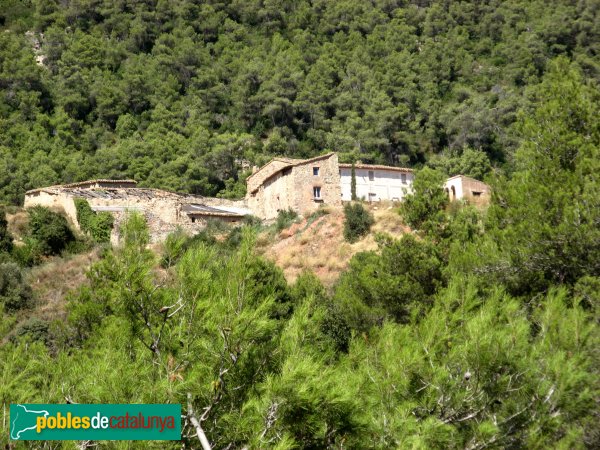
475 328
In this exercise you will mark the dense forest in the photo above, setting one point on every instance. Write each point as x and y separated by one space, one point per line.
478 329
185 94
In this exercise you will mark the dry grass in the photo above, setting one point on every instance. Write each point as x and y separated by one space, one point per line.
52 281
388 220
17 224
319 245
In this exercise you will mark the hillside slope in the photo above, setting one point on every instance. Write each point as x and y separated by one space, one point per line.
185 95
319 245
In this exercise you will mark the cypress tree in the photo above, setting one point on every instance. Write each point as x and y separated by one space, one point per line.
353 183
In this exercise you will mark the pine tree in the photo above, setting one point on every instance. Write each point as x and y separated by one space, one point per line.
423 209
546 215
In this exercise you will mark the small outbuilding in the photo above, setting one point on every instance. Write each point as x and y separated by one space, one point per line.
461 187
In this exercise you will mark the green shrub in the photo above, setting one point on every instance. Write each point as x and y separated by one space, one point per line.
6 242
50 230
97 225
266 280
332 324
234 238
357 222
34 329
319 212
28 255
84 213
336 327
86 311
204 237
217 226
174 247
423 209
285 218
15 294
78 246
101 227
395 283
252 221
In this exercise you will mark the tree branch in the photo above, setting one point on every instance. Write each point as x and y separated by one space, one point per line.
199 431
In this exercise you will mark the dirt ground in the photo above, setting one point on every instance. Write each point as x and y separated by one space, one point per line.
319 244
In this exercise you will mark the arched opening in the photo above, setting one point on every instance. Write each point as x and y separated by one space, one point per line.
453 196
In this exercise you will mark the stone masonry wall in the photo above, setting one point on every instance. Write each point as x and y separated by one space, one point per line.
328 180
59 202
292 187
276 194
162 209
255 180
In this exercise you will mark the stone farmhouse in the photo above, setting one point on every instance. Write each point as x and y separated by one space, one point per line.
302 185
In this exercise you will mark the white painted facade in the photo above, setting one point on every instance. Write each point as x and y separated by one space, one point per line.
374 184
454 188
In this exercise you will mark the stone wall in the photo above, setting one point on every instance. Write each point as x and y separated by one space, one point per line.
274 195
291 187
161 209
54 200
256 180
304 182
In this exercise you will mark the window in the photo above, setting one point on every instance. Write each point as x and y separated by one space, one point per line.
371 175
317 192
316 171
403 178
476 194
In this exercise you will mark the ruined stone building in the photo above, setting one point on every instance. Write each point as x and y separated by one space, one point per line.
164 211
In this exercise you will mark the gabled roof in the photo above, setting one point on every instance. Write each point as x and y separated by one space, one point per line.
471 182
376 167
101 180
288 162
291 162
465 178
